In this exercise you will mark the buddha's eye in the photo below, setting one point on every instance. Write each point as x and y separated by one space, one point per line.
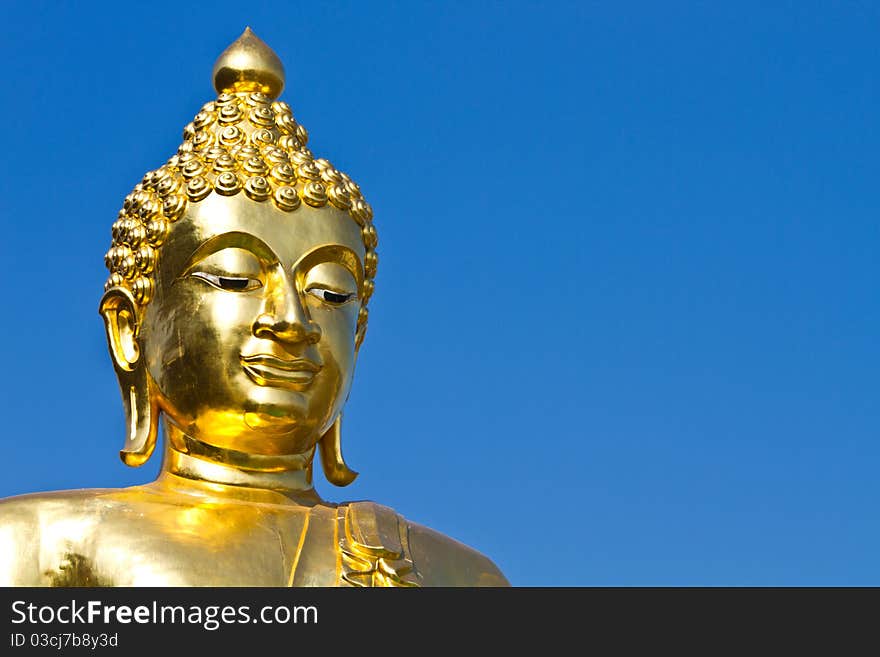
232 283
331 297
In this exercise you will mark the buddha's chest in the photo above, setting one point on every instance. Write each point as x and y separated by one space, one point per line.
218 546
245 546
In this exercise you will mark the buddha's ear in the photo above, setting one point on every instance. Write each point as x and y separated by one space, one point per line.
122 321
359 337
361 329
330 450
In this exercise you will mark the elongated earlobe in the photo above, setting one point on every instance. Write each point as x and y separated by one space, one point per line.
330 444
142 418
119 311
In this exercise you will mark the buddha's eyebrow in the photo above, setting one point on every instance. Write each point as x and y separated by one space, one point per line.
232 239
333 253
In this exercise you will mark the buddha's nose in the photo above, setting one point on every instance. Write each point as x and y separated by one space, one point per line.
285 319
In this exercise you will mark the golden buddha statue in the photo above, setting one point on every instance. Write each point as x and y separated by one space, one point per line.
240 273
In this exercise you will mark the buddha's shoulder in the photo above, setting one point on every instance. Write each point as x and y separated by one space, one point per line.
84 505
68 502
418 554
31 524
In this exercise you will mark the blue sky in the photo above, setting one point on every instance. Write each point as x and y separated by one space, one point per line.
626 316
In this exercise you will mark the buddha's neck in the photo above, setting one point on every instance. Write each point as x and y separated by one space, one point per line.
186 458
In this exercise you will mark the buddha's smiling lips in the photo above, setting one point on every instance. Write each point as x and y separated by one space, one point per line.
267 370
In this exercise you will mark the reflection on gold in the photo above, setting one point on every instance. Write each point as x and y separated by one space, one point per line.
240 273
76 570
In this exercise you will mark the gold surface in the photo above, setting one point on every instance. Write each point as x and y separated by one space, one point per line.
240 273
249 65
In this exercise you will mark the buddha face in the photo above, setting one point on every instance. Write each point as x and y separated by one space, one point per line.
250 337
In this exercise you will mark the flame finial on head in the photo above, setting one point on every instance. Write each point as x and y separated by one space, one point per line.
247 65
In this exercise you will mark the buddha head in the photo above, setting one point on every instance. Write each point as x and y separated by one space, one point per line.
240 272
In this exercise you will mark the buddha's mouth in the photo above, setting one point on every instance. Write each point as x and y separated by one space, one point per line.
267 370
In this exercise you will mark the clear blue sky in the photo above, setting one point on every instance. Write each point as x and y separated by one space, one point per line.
626 320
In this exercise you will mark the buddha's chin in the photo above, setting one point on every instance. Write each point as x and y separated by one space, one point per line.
270 424
271 434
265 435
